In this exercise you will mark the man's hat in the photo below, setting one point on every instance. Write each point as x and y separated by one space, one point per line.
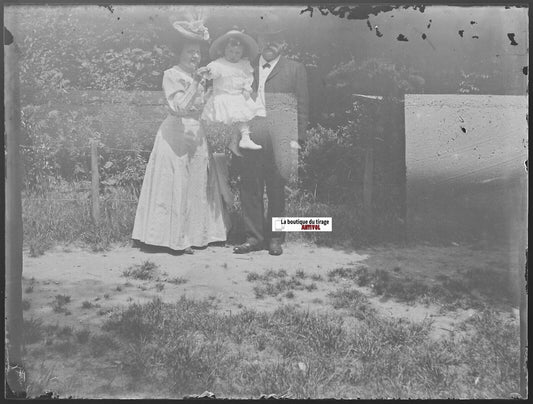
216 50
267 23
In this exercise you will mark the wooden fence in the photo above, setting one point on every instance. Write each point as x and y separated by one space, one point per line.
136 116
131 115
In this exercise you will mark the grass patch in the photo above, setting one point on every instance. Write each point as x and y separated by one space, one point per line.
301 274
404 288
62 215
351 299
188 346
275 283
29 289
144 271
82 336
64 347
104 311
87 305
51 329
59 303
177 280
310 287
252 277
65 332
452 292
39 382
100 344
345 273
33 331
26 304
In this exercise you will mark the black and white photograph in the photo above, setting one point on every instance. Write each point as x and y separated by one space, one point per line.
285 201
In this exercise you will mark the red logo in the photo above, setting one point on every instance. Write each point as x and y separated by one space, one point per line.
310 227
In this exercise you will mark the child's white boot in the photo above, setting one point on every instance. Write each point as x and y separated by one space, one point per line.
247 143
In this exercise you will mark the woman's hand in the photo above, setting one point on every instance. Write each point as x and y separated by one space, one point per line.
172 112
202 73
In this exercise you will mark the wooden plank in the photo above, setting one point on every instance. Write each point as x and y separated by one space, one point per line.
98 97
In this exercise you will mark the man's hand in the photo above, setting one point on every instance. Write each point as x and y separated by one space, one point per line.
294 145
246 94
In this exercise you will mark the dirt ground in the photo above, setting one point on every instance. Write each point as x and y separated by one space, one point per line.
219 275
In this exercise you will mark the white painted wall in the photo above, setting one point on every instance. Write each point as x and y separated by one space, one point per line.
465 159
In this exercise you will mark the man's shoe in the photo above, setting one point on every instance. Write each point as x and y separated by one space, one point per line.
275 247
247 247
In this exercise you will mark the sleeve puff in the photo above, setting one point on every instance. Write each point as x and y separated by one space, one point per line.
179 92
214 69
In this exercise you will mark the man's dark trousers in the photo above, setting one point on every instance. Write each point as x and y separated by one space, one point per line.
258 169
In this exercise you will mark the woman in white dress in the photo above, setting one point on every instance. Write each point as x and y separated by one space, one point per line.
180 204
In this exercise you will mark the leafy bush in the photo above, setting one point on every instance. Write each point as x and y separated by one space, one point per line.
56 145
87 48
331 165
376 77
56 142
334 159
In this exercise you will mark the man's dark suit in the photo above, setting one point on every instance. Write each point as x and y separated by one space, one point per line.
287 105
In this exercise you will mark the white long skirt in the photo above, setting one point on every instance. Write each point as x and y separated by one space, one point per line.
179 205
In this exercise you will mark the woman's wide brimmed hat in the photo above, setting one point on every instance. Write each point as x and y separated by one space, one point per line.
194 30
267 23
216 48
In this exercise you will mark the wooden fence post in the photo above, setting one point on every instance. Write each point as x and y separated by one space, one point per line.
15 375
95 182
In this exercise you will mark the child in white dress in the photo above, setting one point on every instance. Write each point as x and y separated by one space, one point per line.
232 75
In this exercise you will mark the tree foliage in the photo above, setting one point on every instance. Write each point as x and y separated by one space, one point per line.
88 48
